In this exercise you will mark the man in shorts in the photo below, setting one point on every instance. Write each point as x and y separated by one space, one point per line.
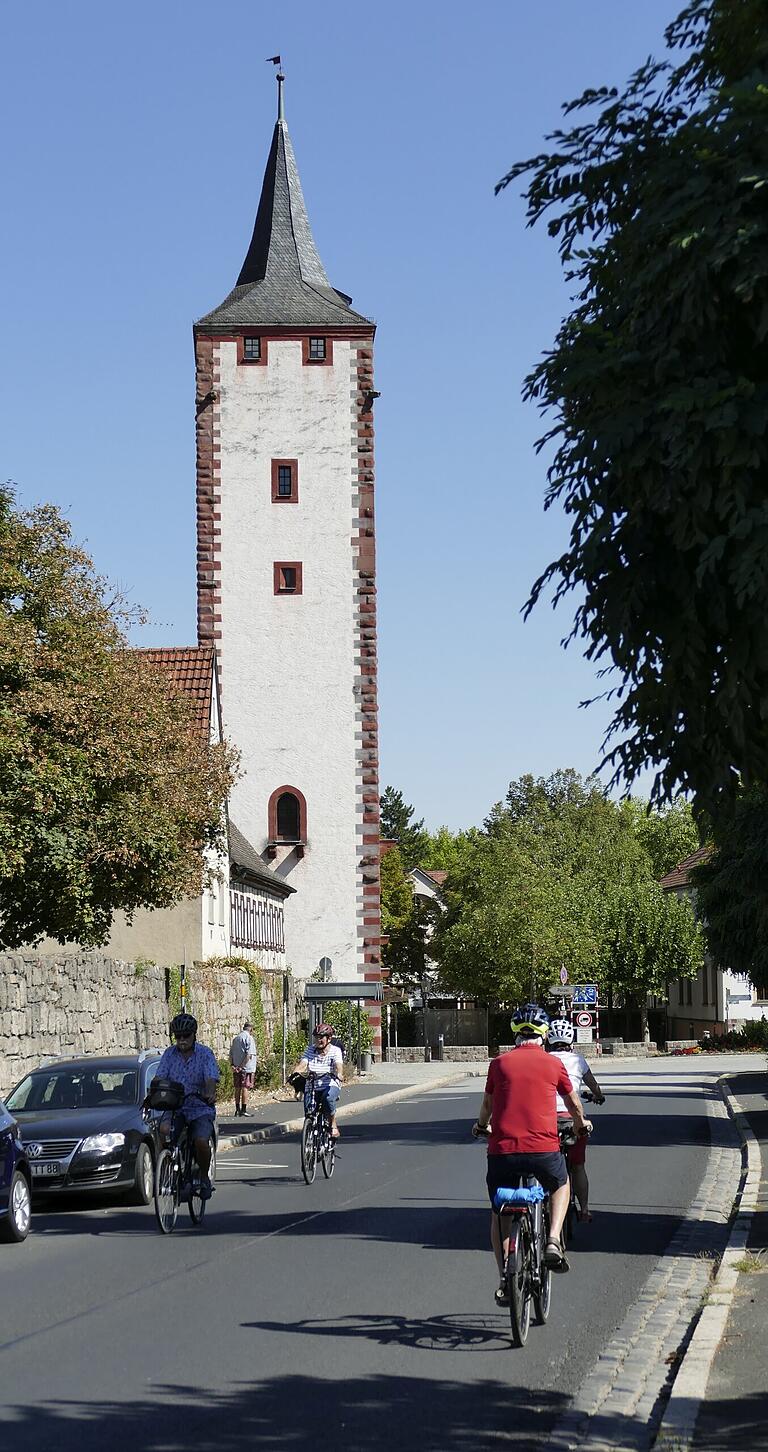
242 1057
519 1103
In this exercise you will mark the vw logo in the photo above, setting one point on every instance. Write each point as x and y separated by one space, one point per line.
34 1151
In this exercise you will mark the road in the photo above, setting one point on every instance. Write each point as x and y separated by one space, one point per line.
360 1308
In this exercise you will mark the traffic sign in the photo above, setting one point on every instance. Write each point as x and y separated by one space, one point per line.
584 1020
584 1036
585 993
560 990
563 974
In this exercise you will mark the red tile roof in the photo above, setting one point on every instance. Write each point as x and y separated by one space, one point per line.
438 877
678 877
189 670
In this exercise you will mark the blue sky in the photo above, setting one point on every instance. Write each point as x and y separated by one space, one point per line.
136 139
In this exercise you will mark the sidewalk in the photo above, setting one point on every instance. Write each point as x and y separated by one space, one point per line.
735 1408
384 1083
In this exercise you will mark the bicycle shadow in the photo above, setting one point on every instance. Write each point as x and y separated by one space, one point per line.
434 1333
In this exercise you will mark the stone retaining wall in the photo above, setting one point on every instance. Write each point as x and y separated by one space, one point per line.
619 1050
465 1053
86 1003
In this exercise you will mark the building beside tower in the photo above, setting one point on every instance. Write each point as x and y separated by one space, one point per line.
286 572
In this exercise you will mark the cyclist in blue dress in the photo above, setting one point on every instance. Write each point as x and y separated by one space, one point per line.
194 1066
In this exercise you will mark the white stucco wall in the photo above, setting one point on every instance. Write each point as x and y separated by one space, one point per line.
288 663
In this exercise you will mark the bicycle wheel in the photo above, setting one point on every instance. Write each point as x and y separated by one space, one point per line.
166 1190
519 1281
542 1299
308 1151
328 1153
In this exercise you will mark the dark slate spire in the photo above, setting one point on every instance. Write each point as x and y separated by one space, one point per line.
282 279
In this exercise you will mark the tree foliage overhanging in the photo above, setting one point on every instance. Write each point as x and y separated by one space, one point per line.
108 795
658 382
731 887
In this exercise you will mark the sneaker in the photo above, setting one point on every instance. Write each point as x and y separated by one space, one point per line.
206 1188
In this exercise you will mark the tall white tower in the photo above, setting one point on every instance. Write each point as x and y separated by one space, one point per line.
286 571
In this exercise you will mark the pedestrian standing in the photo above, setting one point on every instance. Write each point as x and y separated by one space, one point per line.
242 1057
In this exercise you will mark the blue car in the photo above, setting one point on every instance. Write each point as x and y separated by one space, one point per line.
15 1181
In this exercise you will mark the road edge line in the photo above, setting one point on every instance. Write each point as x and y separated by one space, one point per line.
345 1111
687 1394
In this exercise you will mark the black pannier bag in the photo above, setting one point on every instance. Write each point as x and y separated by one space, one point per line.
165 1094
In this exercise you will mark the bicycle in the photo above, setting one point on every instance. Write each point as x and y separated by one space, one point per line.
317 1142
176 1169
528 1280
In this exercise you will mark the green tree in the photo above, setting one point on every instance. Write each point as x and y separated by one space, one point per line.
529 893
731 887
398 826
108 795
659 389
667 835
649 937
444 849
396 891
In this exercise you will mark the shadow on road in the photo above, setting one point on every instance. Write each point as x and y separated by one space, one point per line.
435 1333
413 1414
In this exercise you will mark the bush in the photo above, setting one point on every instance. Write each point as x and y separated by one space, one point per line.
751 1039
269 1072
226 1085
336 1013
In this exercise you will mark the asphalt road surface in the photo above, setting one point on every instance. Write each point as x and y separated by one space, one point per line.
358 1309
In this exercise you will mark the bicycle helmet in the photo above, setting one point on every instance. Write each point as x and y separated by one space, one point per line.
560 1031
325 1030
530 1022
183 1024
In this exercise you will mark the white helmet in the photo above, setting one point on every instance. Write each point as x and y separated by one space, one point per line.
560 1031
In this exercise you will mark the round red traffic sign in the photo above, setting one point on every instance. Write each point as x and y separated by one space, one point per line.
584 1020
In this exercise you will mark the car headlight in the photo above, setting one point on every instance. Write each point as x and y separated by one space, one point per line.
101 1144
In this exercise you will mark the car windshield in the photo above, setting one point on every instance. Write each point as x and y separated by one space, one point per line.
62 1089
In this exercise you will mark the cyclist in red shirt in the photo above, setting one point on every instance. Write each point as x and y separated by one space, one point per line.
520 1104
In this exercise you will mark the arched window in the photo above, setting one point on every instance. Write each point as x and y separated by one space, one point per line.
287 815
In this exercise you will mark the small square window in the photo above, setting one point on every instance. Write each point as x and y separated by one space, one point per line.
287 577
317 350
252 350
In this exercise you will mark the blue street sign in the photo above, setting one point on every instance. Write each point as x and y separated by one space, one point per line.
585 993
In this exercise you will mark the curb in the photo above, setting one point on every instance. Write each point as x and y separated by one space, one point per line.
346 1111
678 1425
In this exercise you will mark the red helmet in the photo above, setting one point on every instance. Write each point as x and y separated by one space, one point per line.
324 1029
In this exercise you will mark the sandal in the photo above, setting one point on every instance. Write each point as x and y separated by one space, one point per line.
554 1257
501 1295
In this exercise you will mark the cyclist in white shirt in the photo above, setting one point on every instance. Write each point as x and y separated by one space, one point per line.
560 1042
325 1062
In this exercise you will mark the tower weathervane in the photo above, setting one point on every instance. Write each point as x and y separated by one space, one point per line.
276 60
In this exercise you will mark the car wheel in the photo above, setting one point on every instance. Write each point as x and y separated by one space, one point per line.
15 1226
144 1177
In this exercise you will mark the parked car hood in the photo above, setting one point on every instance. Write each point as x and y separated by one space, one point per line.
75 1123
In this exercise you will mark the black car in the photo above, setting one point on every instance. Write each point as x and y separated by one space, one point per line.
15 1180
82 1128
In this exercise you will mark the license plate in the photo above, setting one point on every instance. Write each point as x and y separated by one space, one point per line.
43 1172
